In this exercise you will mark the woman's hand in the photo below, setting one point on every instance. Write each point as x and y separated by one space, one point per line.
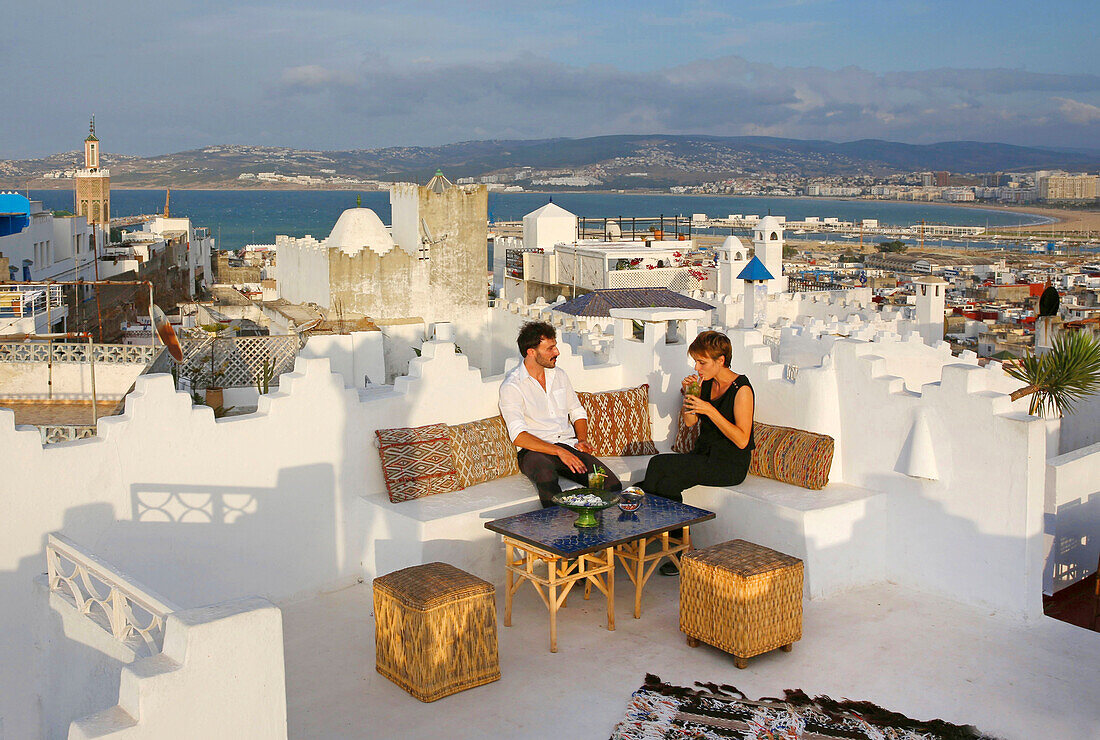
687 382
696 405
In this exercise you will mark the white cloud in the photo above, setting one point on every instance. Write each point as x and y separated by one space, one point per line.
1077 112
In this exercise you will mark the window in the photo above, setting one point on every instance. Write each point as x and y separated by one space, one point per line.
775 236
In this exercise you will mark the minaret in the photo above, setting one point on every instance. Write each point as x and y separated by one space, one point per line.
931 299
767 241
93 185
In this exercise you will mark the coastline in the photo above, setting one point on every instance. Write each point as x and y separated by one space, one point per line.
1068 220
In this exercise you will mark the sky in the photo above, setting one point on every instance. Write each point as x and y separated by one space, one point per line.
170 76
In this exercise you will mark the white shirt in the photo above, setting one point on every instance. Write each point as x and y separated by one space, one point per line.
547 414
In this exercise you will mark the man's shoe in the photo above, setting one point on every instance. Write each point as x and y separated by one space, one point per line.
668 568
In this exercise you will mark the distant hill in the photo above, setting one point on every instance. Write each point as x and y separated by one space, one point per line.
626 161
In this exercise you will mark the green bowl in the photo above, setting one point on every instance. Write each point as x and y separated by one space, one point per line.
587 514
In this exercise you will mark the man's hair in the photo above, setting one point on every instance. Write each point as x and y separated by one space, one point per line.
531 335
712 344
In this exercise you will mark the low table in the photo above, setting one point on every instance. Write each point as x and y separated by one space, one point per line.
572 554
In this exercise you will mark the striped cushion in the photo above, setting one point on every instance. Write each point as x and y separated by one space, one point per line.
416 461
792 456
618 421
482 451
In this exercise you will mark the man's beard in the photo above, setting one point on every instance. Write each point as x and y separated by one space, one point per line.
546 362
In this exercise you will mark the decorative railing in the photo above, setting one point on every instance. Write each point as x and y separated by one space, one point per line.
790 372
75 352
55 433
111 599
237 362
17 301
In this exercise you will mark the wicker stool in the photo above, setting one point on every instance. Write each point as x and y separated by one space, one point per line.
435 630
742 598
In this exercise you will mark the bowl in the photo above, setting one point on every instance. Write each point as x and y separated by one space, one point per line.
587 512
631 499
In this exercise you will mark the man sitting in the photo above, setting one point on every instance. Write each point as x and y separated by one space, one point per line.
538 403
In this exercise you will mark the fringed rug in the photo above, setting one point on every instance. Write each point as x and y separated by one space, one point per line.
658 710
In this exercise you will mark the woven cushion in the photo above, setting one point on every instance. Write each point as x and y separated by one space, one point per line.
618 421
792 456
685 436
482 451
429 586
416 461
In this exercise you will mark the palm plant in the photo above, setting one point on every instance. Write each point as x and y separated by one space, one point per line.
1060 378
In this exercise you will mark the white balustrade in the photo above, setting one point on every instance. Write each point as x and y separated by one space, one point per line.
111 599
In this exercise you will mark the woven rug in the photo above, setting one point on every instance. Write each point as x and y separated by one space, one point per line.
658 710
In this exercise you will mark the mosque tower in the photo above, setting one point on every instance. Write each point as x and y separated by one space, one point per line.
93 185
768 245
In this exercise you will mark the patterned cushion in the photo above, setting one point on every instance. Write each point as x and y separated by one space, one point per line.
618 421
416 461
793 456
482 451
685 436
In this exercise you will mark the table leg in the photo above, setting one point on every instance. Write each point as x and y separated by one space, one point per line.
642 543
611 589
508 590
553 591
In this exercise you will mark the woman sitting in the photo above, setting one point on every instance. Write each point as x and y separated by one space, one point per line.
721 401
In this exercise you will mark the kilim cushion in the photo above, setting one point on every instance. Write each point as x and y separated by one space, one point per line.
792 456
482 451
416 461
685 436
618 421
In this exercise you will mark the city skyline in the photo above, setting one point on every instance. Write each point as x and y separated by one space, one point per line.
168 77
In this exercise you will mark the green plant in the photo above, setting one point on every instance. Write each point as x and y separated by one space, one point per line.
264 377
1057 380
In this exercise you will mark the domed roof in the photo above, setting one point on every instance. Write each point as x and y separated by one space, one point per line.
358 229
734 244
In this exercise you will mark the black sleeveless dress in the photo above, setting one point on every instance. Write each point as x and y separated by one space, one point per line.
715 461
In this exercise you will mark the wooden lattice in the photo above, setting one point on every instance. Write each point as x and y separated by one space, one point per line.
238 362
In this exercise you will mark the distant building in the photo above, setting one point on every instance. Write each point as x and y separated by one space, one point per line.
1063 187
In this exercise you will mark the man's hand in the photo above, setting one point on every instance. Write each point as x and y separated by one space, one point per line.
586 447
571 461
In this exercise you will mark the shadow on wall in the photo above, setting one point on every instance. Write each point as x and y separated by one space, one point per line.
1076 545
203 544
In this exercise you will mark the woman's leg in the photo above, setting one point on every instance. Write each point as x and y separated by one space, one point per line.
662 476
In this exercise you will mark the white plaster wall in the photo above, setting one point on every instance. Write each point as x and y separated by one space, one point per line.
359 356
220 675
270 503
302 270
1072 521
405 215
547 230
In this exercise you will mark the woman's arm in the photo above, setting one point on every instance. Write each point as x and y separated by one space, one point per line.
737 431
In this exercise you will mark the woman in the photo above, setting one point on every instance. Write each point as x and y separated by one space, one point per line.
724 409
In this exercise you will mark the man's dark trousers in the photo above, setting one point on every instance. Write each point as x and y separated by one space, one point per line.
544 469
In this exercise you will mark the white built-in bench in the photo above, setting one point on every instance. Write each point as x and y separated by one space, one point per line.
839 532
450 527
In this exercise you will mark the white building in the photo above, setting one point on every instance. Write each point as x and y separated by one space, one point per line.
549 225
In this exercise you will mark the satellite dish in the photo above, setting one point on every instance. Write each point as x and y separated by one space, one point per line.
427 231
1048 302
167 334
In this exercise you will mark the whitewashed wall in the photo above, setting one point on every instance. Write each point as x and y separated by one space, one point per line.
71 380
1072 522
270 504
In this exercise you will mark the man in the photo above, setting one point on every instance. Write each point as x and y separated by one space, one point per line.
538 403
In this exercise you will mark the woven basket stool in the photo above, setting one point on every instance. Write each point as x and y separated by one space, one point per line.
742 598
435 631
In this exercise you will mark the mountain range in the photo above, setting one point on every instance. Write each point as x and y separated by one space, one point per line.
624 161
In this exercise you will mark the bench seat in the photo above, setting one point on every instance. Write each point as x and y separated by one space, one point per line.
839 532
450 527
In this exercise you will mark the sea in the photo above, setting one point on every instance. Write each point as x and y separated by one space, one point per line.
240 217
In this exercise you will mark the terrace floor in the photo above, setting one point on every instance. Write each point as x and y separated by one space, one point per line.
904 650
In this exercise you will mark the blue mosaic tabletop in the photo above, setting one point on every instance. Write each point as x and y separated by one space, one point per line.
552 529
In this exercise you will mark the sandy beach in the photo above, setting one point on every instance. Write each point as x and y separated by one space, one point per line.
1067 220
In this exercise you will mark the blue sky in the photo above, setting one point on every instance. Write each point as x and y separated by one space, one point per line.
168 76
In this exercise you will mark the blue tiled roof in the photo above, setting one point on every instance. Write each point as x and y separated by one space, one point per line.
755 270
600 302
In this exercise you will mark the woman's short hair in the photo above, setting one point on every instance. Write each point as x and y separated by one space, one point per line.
712 344
531 335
